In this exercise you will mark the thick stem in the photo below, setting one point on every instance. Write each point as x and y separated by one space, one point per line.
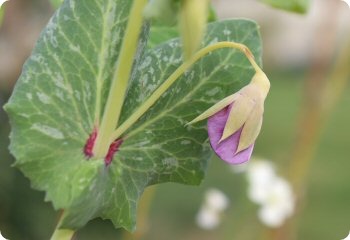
173 77
63 234
120 81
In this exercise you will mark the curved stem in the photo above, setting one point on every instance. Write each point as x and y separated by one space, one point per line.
173 77
120 81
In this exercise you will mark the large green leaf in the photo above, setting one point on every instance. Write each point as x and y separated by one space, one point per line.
299 6
63 88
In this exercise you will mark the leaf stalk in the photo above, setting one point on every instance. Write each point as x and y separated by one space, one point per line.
119 83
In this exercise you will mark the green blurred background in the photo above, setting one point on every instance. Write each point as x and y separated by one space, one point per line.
297 48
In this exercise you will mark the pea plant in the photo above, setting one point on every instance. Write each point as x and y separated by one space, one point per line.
109 103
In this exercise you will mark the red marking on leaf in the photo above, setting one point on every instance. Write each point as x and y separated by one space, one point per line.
113 148
89 145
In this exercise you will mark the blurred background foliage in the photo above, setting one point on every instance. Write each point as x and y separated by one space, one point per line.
299 54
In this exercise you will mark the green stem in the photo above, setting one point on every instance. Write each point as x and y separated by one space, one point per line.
62 234
120 81
173 77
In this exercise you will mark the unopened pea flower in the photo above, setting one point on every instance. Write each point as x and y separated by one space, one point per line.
234 123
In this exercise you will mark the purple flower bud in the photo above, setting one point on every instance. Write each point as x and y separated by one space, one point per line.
234 122
226 149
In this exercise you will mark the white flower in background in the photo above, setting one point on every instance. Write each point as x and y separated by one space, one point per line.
347 238
261 175
216 200
1 237
278 205
347 2
207 219
2 2
272 192
209 215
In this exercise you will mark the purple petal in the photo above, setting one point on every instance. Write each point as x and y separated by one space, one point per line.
227 148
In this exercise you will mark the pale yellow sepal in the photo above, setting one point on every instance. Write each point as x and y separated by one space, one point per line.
192 22
215 108
262 82
239 114
251 129
251 97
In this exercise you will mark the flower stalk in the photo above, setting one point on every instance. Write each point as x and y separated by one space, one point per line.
175 75
234 123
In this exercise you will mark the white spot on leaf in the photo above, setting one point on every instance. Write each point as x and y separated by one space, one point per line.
29 96
185 142
143 143
59 94
151 70
144 80
146 63
75 48
37 58
227 32
77 94
170 162
58 81
48 131
43 97
72 4
24 115
215 40
213 91
82 180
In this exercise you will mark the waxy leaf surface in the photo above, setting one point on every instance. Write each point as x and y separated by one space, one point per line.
60 95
